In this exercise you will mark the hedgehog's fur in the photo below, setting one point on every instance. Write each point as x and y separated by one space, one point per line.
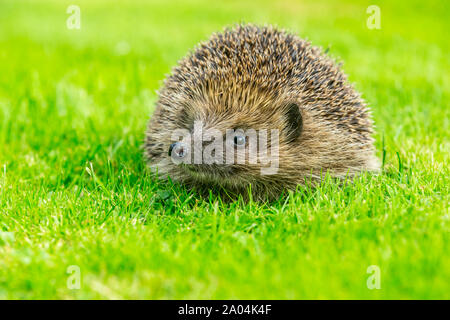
245 77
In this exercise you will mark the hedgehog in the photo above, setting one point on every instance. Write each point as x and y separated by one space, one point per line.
258 89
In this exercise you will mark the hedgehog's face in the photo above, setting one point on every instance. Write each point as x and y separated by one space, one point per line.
236 146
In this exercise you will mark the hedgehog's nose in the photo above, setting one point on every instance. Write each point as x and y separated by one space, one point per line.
178 150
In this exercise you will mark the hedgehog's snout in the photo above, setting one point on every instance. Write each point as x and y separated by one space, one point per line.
178 150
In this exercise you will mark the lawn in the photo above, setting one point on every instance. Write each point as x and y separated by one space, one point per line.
76 198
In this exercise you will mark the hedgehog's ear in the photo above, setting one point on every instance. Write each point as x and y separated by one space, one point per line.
294 122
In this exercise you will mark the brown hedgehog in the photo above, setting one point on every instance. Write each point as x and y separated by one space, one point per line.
261 80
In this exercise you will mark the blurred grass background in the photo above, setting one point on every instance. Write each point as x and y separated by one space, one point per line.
74 190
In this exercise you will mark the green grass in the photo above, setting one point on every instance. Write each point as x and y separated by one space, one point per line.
74 189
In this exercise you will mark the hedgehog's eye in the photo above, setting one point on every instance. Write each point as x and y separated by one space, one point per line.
240 140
